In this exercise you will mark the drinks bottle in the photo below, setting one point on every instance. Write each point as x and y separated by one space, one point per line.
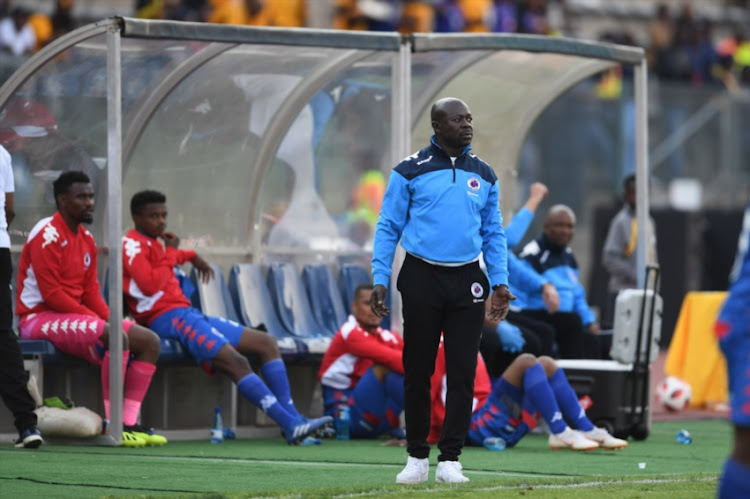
342 422
217 430
683 437
494 443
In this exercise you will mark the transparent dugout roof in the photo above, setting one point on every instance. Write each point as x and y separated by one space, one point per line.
271 143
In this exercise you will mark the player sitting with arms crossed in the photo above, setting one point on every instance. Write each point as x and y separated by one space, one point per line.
59 301
505 409
363 369
155 299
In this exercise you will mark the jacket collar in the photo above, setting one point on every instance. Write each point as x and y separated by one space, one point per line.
435 145
546 243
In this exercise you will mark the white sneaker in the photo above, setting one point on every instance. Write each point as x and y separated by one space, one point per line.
571 439
449 472
605 440
415 471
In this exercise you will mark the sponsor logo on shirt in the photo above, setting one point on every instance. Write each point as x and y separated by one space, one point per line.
50 235
131 248
428 158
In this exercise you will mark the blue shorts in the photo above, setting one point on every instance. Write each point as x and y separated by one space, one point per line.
500 416
734 334
372 413
202 335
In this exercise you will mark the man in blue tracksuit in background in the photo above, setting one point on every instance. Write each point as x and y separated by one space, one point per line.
442 203
577 332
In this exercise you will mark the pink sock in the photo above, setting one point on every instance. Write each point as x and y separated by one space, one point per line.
105 377
137 380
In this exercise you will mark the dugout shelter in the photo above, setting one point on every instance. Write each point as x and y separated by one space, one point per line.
272 144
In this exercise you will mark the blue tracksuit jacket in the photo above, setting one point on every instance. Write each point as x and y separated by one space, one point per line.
558 266
441 212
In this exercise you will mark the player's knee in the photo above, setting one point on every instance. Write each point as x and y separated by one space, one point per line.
232 362
144 339
104 338
526 360
380 371
548 363
268 347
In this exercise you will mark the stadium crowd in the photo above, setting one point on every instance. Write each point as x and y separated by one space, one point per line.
682 45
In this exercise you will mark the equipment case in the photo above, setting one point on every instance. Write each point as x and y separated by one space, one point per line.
615 393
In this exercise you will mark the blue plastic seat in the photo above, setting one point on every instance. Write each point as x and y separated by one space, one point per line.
292 305
48 352
352 275
324 296
254 305
212 297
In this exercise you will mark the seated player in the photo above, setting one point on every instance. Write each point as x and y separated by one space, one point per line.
59 300
506 408
155 299
362 368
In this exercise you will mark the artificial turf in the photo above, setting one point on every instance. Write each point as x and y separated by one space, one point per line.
268 467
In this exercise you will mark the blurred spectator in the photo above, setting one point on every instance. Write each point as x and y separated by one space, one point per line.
619 251
42 26
685 22
347 16
287 13
417 17
745 76
16 34
661 34
533 17
62 18
505 16
725 74
558 18
227 12
478 15
176 10
702 54
449 18
384 15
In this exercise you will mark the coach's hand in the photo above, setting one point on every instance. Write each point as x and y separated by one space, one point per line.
500 303
377 301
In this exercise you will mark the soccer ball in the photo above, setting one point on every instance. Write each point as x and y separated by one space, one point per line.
674 393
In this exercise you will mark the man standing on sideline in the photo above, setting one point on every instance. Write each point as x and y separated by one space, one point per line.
618 254
733 331
442 203
13 377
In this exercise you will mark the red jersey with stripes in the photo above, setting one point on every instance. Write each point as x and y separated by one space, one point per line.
148 278
57 271
353 350
439 388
